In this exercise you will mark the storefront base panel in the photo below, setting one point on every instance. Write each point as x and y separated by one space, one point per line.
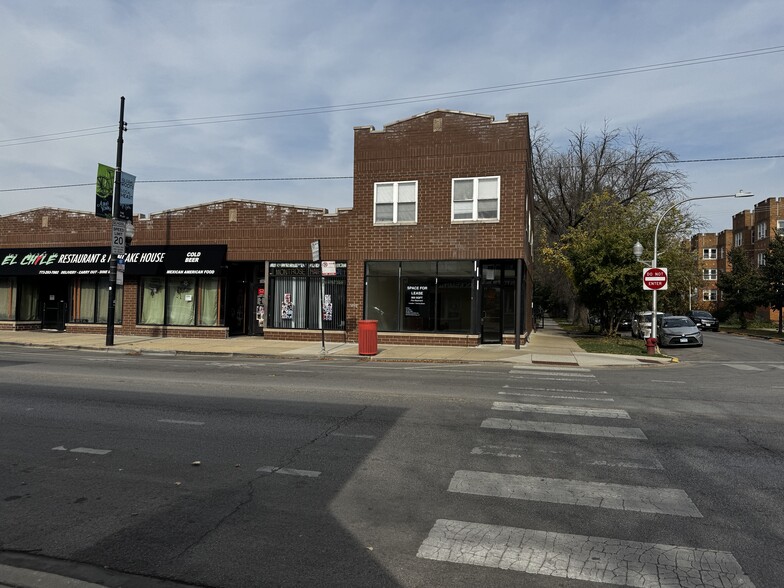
304 335
510 339
171 331
439 339
20 326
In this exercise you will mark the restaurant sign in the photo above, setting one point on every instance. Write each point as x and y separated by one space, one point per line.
144 260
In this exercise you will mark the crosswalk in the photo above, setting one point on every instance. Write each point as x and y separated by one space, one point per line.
536 394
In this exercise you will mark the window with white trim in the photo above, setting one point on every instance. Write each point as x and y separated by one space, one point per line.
476 199
709 295
737 239
761 259
709 253
709 274
762 230
779 226
395 202
721 252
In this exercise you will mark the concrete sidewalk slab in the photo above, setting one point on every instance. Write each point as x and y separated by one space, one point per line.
550 345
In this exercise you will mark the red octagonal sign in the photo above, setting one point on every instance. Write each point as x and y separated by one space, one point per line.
654 278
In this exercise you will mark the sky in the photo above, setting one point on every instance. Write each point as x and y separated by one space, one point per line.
273 90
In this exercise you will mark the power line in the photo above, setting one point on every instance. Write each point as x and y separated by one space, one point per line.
230 118
320 178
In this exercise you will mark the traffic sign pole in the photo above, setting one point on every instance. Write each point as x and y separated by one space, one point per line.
115 223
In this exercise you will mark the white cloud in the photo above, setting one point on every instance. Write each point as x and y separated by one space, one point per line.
64 66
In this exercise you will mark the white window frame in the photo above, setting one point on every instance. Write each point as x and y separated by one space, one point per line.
709 253
710 295
395 203
762 231
710 274
779 226
738 239
475 200
721 252
761 259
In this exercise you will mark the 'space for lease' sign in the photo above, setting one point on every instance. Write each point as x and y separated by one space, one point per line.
654 278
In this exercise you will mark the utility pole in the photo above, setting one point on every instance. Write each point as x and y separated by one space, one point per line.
115 218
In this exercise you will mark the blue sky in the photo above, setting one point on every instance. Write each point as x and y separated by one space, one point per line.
66 64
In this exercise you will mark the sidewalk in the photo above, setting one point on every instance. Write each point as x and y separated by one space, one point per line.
551 345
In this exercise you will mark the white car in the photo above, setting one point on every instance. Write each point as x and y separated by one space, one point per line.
641 325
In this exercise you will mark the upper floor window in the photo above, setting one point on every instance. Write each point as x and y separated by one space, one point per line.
709 253
476 199
760 259
710 295
721 252
779 226
709 274
738 239
762 230
395 202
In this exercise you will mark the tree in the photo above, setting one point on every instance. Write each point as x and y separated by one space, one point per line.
743 289
624 166
773 274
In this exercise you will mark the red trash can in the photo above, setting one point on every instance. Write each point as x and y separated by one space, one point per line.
368 337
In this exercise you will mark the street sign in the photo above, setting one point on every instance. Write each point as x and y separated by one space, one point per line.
118 237
654 278
315 250
328 268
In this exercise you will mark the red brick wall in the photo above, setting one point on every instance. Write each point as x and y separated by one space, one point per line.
432 148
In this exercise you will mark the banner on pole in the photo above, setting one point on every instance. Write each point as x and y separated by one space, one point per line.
127 182
104 187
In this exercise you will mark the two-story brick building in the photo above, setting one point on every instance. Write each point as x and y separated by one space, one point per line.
436 248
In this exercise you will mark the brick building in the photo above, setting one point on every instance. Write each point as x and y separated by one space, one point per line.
751 231
436 248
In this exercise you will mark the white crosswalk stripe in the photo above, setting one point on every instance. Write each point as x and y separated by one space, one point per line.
555 396
670 501
606 413
513 451
744 367
579 557
563 428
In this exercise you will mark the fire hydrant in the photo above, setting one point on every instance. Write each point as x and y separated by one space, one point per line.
650 345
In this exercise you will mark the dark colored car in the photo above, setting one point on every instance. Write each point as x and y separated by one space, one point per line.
678 330
626 322
704 320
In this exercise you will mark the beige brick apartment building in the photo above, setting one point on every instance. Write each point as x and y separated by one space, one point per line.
436 248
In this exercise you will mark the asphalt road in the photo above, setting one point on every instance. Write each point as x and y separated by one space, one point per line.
228 473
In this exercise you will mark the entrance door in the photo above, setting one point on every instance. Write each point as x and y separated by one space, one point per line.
491 314
54 301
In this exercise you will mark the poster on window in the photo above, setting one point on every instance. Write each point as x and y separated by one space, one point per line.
417 300
287 307
327 311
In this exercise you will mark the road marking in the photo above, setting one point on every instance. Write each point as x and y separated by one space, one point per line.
564 429
669 381
520 452
289 471
537 374
354 436
606 413
542 368
669 501
555 389
558 397
744 367
176 422
83 450
585 380
579 557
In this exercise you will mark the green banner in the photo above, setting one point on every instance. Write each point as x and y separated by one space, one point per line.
104 189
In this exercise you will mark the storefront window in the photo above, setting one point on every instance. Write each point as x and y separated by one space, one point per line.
29 307
420 295
7 299
181 301
153 298
295 296
90 300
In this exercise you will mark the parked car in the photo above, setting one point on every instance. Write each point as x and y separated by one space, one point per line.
704 320
678 330
626 322
641 325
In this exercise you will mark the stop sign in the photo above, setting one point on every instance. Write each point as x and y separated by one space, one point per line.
654 278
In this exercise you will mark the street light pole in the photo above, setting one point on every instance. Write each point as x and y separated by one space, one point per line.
654 262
